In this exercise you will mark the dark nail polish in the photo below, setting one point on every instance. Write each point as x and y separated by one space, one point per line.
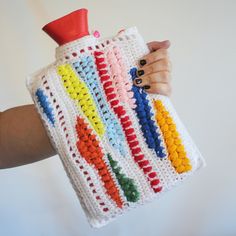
140 72
147 87
142 62
138 81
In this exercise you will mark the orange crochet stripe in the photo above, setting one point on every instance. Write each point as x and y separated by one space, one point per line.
177 154
89 148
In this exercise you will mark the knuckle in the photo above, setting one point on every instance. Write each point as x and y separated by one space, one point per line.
165 75
156 55
152 78
162 89
152 68
164 52
155 89
159 66
149 55
167 63
145 80
152 57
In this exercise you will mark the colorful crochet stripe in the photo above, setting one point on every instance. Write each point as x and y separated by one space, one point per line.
86 70
176 150
118 70
45 104
144 114
127 185
90 150
78 91
126 123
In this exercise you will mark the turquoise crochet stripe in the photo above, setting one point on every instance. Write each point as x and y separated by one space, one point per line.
86 69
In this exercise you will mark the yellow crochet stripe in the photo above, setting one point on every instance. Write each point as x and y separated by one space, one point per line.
78 91
176 150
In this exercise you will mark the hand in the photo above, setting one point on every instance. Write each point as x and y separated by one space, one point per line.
155 68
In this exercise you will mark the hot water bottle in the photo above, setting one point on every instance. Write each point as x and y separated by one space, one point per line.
120 146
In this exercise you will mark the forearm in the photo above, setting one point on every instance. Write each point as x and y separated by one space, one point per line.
23 139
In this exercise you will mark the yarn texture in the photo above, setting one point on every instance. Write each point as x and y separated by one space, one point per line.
120 146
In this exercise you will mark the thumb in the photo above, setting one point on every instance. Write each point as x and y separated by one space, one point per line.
155 45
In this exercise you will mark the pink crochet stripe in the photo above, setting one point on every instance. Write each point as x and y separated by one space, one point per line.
119 74
126 122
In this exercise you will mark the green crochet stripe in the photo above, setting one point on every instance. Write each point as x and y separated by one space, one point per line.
127 185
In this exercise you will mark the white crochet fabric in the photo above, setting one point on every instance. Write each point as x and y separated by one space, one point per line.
119 146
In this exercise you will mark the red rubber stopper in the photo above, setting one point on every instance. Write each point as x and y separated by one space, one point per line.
69 27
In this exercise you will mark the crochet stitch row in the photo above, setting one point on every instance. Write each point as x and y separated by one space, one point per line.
144 114
92 152
120 79
45 104
78 91
177 153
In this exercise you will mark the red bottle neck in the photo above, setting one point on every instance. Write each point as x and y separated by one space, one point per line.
69 27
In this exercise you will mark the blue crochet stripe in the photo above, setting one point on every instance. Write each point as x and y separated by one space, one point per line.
86 69
144 114
45 104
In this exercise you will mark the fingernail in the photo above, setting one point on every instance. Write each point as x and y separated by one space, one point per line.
147 87
142 62
140 72
138 81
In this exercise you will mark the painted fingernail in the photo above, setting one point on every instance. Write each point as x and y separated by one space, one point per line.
140 72
147 87
138 81
142 62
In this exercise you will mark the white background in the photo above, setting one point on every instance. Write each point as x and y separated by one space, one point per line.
38 200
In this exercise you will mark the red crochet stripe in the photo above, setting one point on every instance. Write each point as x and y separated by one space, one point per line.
90 150
126 122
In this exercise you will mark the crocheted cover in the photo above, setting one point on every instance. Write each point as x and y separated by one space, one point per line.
119 146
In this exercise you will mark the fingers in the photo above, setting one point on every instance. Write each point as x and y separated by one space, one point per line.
158 71
154 71
154 56
158 82
157 77
161 65
160 88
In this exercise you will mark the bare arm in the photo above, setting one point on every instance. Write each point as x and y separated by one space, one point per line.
23 138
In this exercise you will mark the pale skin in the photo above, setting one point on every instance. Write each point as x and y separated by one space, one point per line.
23 138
